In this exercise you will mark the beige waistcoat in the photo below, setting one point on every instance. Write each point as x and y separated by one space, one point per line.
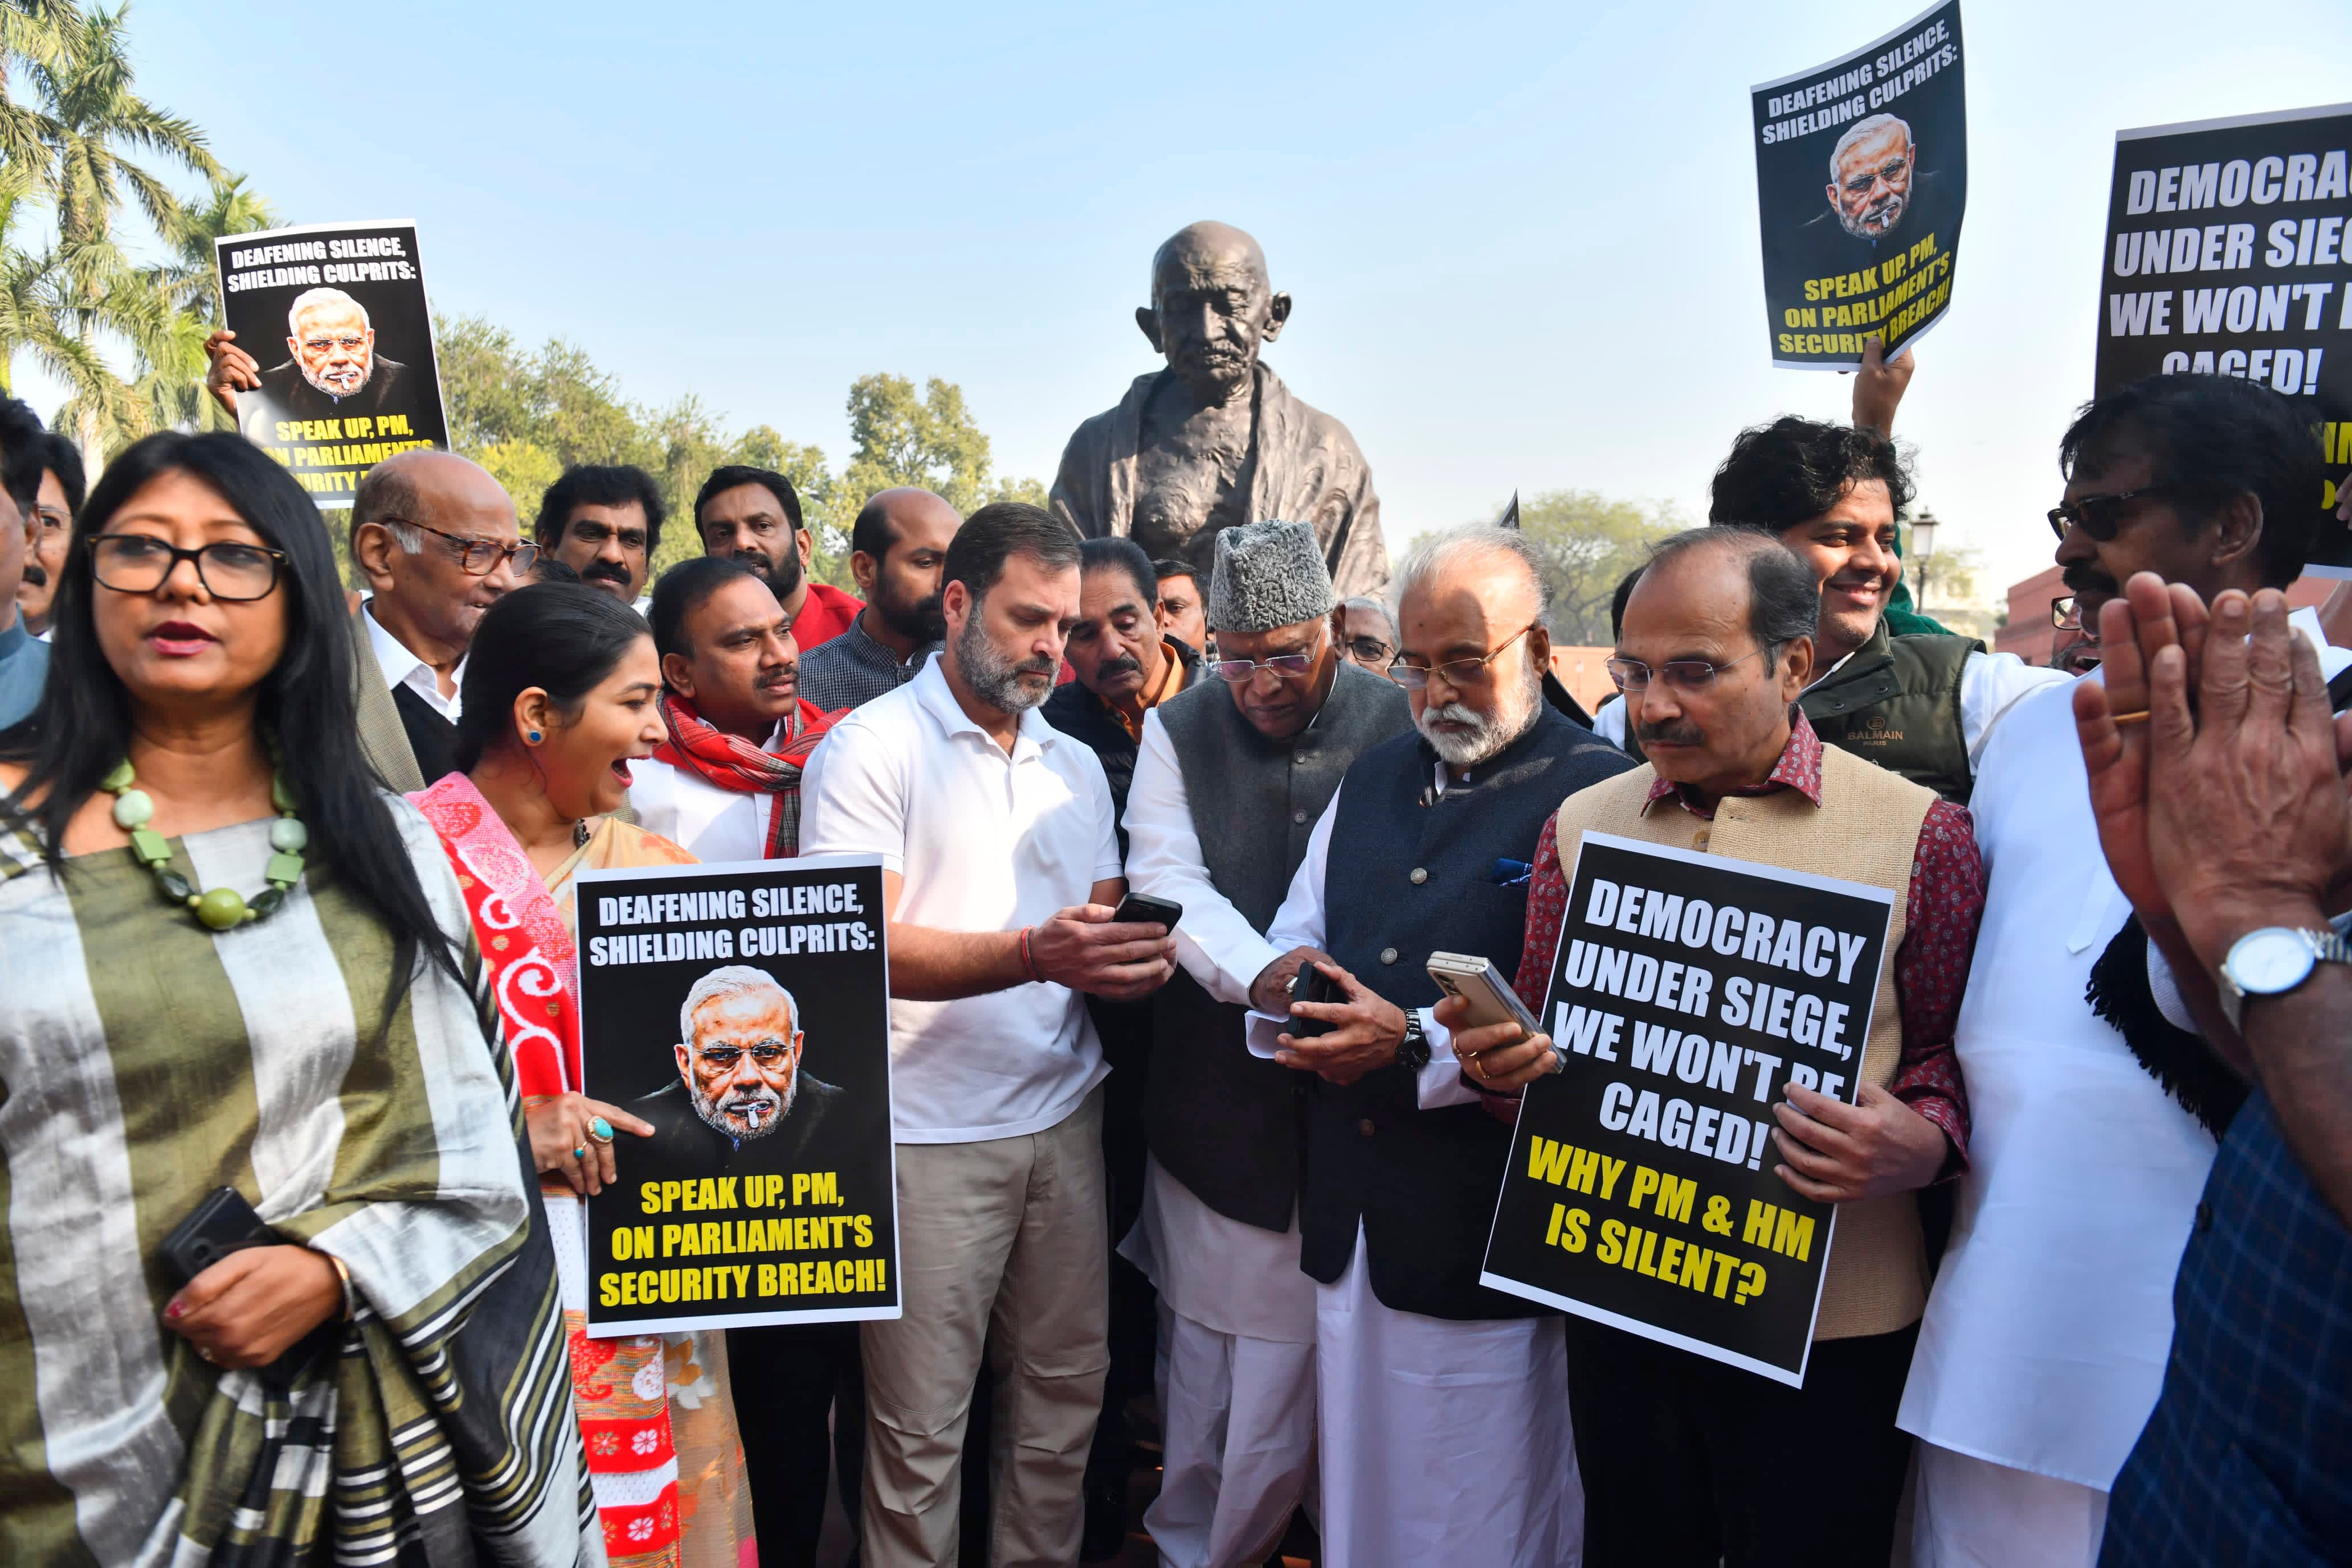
1866 829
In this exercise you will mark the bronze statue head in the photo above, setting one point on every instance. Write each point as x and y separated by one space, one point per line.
1210 309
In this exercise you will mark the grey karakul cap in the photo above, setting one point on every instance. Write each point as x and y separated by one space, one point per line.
1268 574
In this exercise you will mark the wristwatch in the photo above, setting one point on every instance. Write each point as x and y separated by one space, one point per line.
2273 960
1413 1052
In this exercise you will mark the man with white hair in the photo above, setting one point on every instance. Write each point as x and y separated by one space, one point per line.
331 368
742 1102
1442 1406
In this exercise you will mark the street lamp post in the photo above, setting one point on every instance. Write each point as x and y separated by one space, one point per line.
1923 546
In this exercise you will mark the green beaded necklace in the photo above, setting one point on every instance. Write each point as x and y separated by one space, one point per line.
220 909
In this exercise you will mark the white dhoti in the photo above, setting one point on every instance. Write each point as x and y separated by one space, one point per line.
1443 1442
1973 1513
1236 1372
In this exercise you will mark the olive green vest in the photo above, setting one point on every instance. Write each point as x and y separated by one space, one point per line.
1897 702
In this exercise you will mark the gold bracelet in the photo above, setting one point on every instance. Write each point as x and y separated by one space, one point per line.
342 1273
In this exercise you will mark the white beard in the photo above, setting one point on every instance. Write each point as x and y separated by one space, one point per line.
1488 734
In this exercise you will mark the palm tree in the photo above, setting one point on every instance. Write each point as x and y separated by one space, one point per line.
169 386
35 31
33 308
89 117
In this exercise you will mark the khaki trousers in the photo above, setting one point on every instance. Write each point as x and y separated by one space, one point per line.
1003 1242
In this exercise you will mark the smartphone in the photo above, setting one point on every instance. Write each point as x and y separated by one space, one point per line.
1312 986
1142 908
222 1223
1475 980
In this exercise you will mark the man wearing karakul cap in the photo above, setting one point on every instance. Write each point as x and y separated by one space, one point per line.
1230 778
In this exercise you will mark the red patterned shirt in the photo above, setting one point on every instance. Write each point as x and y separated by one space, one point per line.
1931 967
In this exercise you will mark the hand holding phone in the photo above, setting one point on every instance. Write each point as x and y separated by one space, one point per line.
1142 908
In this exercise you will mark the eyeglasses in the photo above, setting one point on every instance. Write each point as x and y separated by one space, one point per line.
1891 171
1235 671
1683 674
1457 672
476 557
766 1054
2100 516
2066 613
138 564
1371 650
350 343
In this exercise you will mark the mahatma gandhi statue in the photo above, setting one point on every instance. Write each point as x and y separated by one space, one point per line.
1217 438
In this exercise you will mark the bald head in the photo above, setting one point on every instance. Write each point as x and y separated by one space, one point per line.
424 594
897 552
1212 307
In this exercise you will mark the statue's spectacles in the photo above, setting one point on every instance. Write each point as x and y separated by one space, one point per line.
1457 672
1683 674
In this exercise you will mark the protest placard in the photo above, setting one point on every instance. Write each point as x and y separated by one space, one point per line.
1862 174
1689 990
2227 254
743 1010
335 316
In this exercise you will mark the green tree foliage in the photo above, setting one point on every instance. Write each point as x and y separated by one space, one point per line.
1588 543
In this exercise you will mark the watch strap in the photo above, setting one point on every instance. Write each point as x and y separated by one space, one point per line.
1413 1052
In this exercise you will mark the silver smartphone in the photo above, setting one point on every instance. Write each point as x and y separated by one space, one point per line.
1476 982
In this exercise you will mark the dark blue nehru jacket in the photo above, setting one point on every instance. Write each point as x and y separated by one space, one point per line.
1412 873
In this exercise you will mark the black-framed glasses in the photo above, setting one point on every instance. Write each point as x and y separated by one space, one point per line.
139 564
2066 613
2101 517
1371 650
476 557
1891 171
1683 674
1458 671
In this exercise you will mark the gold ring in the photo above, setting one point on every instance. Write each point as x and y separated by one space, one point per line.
1473 1064
2138 718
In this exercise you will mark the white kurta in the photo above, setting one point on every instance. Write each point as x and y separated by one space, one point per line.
713 824
1439 1440
1236 1362
2045 1338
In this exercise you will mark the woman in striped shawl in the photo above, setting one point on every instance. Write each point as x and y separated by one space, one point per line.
230 959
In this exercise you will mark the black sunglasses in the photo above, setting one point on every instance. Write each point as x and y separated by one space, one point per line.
2101 517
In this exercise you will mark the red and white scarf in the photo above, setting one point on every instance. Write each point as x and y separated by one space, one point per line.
731 762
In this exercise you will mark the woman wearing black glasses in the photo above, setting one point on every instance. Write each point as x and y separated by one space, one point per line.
436 537
230 961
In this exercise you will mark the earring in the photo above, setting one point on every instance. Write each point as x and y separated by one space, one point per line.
532 737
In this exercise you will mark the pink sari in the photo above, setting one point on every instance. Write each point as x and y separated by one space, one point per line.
657 1412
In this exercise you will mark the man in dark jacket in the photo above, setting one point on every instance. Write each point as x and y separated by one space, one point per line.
1420 1369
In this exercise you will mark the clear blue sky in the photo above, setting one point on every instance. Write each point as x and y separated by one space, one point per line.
1522 238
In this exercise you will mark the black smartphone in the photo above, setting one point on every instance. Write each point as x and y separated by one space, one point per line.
1141 909
222 1223
1313 985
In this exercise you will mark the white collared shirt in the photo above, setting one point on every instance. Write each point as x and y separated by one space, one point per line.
985 842
711 823
402 668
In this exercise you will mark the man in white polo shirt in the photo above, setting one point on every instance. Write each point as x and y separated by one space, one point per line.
1001 871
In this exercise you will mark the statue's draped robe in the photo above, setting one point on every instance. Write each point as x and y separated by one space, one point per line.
1303 466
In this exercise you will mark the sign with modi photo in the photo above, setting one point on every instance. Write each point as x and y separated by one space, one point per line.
1689 991
743 1011
335 317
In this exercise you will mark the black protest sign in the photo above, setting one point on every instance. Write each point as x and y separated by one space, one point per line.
743 1010
1689 990
1861 176
335 316
2228 252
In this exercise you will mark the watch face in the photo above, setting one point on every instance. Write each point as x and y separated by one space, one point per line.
2265 962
